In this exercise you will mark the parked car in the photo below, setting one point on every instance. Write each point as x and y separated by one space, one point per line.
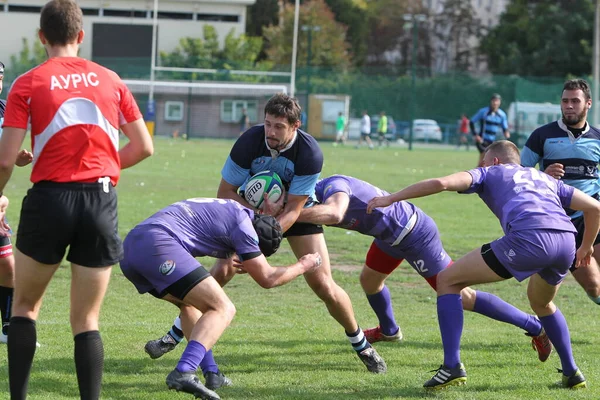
424 129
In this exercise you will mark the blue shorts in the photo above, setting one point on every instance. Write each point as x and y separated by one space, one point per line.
422 247
548 253
158 264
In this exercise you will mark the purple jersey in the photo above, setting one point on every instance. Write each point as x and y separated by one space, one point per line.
523 198
385 224
209 227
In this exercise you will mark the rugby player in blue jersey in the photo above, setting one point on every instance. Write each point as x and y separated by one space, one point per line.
403 231
538 243
491 120
159 258
279 145
569 149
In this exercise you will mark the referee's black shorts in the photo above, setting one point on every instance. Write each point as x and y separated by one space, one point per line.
81 216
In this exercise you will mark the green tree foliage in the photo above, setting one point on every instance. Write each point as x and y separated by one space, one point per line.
542 38
390 37
238 53
328 45
28 57
355 16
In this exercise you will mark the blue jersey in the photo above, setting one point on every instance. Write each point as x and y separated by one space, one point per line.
298 165
385 224
523 198
553 143
209 227
490 123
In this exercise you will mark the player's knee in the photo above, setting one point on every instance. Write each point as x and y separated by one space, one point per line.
593 292
370 283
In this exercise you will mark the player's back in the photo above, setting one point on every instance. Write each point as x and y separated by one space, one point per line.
76 108
383 223
523 198
206 226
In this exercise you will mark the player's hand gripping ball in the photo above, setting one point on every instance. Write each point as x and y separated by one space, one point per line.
263 182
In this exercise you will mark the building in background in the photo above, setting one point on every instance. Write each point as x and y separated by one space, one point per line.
456 27
122 29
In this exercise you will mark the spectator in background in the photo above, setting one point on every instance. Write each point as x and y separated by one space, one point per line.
340 129
365 130
463 132
492 120
244 121
382 127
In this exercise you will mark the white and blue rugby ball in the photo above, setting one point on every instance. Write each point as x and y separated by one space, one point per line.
263 182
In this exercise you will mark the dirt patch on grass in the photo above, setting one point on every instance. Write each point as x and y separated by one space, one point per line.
347 268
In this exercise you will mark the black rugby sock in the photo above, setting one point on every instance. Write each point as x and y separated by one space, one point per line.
6 296
89 363
21 349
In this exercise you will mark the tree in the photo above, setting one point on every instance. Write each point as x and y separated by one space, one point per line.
455 22
238 53
328 47
354 14
390 39
26 59
538 39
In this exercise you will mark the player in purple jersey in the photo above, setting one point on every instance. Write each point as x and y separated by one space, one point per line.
159 258
538 243
403 231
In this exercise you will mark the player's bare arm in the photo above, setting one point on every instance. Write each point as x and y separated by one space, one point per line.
10 144
507 134
223 270
329 213
591 218
228 191
454 183
269 277
140 144
291 211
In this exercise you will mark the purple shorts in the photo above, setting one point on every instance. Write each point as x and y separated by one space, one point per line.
422 247
156 263
548 253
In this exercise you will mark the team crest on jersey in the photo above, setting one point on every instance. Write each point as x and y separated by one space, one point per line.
167 267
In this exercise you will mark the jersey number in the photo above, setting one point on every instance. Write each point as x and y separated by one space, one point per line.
419 265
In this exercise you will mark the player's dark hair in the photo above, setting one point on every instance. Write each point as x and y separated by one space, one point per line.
61 21
496 96
282 105
578 84
269 233
505 151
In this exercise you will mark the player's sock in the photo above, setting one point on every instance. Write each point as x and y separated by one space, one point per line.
357 340
21 348
558 333
208 363
381 303
595 299
450 318
176 332
494 307
192 357
89 363
6 296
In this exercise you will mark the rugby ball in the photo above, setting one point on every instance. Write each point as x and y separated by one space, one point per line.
263 182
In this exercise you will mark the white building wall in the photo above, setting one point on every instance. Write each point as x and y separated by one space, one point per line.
25 25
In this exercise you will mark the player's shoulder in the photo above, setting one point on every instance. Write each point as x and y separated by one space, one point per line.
549 131
305 140
593 133
253 138
502 113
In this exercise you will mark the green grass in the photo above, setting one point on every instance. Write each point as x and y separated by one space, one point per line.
282 343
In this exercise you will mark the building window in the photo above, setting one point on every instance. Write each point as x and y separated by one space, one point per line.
173 15
174 111
218 17
90 11
232 110
125 13
24 9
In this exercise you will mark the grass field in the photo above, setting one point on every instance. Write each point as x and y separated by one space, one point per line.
282 343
